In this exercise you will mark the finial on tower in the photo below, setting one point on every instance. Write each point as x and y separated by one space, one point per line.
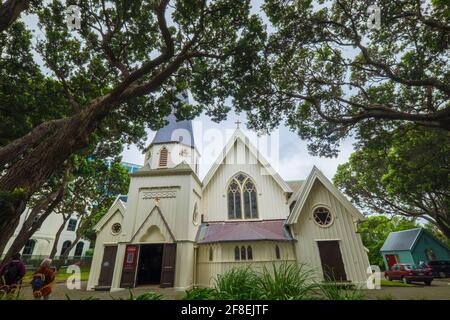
237 124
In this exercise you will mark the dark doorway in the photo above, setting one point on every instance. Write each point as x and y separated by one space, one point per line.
331 258
150 263
107 270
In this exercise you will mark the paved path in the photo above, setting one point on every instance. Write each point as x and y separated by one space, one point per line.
439 290
60 291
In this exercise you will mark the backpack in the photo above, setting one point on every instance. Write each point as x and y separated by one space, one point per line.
11 274
38 281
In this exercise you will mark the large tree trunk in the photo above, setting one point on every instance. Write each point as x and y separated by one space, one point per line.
443 225
58 236
28 174
10 10
34 221
43 156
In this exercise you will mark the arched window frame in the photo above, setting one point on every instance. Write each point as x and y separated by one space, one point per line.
237 253
64 247
211 254
240 189
277 252
78 251
327 208
163 157
249 253
29 247
243 253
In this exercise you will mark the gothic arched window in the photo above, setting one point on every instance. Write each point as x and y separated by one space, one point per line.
242 202
237 254
163 155
243 253
79 249
277 252
211 254
65 246
249 253
29 247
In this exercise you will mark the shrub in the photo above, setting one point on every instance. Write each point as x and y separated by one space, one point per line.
145 296
339 291
237 284
287 282
201 294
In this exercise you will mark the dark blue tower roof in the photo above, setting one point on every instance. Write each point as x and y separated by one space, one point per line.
176 131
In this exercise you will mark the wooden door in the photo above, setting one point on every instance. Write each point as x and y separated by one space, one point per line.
332 263
391 259
107 270
168 265
129 266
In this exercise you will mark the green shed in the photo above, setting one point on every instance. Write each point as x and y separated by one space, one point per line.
412 246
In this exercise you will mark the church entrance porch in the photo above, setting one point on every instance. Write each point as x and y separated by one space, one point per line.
150 264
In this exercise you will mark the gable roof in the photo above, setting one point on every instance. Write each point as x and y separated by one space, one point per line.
401 240
239 135
118 205
302 194
182 128
158 210
212 232
175 131
295 184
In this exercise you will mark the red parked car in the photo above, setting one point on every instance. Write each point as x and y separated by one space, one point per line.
409 273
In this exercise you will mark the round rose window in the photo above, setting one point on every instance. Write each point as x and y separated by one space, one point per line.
116 228
322 216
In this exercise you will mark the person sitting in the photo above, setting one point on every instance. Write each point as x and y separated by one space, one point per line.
43 279
11 273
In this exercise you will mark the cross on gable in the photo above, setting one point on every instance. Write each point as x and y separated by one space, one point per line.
237 124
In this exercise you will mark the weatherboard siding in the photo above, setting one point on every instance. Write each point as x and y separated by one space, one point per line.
272 202
223 258
343 229
104 237
427 242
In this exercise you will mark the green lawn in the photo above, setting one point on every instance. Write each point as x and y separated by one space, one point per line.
61 276
386 283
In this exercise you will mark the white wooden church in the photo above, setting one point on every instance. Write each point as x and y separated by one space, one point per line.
175 230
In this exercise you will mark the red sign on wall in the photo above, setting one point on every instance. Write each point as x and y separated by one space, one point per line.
130 256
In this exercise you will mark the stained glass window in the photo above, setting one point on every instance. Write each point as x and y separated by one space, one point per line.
249 253
242 198
243 254
237 255
322 216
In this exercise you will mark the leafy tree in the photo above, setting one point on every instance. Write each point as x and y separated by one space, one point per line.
93 186
376 229
403 172
326 73
122 70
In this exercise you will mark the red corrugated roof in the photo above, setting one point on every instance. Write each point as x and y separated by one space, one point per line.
274 230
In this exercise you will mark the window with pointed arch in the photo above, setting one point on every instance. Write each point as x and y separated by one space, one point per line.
237 254
242 199
249 253
277 252
163 155
211 254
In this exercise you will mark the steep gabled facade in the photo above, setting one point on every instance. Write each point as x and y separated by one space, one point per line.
178 231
